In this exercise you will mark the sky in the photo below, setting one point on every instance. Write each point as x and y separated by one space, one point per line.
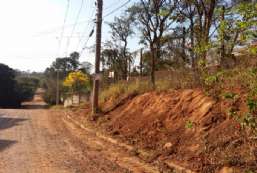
31 30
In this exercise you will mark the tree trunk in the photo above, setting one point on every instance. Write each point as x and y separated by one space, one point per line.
222 48
184 45
141 62
192 42
153 54
125 75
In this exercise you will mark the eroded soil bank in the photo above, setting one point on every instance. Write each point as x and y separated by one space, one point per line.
180 126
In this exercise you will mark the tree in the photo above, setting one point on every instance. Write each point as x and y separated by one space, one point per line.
13 92
187 12
236 26
64 66
27 86
154 19
204 20
121 30
85 67
113 60
77 82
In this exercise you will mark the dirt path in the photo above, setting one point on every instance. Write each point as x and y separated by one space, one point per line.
36 141
39 140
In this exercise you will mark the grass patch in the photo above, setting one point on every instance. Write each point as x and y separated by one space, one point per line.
124 89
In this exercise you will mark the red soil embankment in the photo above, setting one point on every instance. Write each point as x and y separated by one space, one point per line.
185 126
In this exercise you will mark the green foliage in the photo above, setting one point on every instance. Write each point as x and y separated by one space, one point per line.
77 82
248 121
50 94
252 104
164 12
237 28
27 87
63 66
249 171
230 95
202 47
212 83
189 124
211 80
13 92
253 50
232 113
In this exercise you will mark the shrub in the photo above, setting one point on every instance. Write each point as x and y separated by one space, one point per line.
12 91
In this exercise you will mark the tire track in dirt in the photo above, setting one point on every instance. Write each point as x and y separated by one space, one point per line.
34 141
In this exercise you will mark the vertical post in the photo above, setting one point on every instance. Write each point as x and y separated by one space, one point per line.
222 51
184 44
95 108
129 68
57 88
141 62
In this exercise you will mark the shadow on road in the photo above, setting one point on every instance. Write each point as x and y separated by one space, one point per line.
6 123
4 144
34 106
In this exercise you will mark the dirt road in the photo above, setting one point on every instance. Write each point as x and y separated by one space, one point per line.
39 140
34 140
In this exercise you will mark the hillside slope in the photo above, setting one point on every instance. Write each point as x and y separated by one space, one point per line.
187 127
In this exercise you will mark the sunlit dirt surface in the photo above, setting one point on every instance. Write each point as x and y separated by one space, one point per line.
34 140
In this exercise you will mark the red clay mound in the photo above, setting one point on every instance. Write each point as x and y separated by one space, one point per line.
184 126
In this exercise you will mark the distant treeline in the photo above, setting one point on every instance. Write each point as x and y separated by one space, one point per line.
15 88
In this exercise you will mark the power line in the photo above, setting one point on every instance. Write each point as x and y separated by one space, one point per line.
92 31
85 32
116 9
86 28
89 36
55 29
74 26
64 22
111 5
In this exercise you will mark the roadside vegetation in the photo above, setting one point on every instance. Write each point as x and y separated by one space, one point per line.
188 93
69 75
16 87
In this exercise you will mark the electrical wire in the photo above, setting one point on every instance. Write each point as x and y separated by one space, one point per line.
85 44
85 31
112 4
116 9
64 22
92 31
74 27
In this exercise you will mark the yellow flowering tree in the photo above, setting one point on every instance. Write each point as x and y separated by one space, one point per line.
77 82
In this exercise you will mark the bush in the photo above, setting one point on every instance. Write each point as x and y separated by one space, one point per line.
50 94
27 87
13 92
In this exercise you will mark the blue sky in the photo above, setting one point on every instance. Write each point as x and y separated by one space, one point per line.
30 31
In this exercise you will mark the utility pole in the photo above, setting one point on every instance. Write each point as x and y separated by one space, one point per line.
95 108
57 88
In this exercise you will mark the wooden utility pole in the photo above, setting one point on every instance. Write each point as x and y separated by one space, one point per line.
95 108
57 88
